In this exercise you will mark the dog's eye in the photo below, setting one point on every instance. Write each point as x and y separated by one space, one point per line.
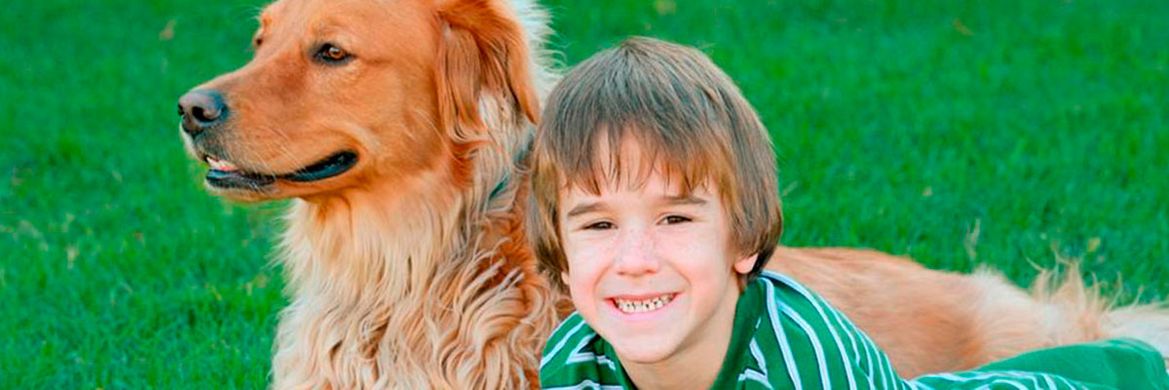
331 54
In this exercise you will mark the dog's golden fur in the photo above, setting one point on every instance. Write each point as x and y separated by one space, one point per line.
411 269
425 281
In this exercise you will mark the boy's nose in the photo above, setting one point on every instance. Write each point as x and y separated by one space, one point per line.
635 255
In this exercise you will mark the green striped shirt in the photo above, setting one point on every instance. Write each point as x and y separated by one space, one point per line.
786 337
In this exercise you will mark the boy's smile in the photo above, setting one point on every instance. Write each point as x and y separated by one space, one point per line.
652 269
633 304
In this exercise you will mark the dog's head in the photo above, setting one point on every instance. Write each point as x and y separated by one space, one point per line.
340 93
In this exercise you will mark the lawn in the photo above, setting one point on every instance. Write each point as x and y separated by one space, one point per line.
960 133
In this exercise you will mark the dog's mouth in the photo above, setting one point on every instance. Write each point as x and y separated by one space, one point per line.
224 174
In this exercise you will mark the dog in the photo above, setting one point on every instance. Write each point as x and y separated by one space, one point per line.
398 128
400 131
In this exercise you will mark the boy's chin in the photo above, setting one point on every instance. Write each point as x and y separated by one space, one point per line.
643 352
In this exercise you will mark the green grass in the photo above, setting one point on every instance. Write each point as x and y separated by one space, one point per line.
900 125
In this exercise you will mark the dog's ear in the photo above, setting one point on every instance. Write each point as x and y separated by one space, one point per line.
481 50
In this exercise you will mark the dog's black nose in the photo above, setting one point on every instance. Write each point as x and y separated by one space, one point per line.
201 109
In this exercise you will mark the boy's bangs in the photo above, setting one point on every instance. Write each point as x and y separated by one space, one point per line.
686 165
678 113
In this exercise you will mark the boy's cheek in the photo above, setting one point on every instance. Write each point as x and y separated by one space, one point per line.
581 294
584 253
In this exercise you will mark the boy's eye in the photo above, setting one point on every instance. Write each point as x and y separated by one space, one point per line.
603 225
676 219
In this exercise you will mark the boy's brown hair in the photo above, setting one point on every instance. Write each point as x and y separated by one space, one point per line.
684 113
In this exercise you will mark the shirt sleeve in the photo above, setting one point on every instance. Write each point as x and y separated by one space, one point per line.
821 348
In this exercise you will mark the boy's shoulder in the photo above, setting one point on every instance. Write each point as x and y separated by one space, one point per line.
573 330
804 314
575 355
790 293
783 281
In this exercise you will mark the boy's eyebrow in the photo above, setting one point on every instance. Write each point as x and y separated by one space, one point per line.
584 209
670 200
685 200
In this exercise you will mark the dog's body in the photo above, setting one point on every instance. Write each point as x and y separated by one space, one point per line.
402 130
930 321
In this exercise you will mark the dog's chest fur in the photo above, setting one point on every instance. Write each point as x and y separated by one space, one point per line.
424 283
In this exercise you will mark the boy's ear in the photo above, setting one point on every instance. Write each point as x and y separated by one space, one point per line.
564 278
482 50
744 265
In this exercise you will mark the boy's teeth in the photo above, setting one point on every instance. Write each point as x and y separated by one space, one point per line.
628 306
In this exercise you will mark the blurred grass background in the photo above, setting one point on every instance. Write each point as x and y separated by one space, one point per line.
959 133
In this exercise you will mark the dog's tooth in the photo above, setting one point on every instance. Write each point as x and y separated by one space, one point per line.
221 165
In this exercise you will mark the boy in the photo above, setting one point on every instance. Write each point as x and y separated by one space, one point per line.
655 199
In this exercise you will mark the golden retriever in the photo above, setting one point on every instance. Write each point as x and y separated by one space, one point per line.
400 129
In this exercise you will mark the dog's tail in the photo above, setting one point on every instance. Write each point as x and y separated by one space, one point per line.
1148 323
1087 315
1058 309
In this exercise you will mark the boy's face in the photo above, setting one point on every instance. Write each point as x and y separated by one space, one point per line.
653 272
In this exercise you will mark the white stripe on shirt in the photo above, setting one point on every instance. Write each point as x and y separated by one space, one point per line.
587 384
548 357
827 324
817 347
996 377
777 327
